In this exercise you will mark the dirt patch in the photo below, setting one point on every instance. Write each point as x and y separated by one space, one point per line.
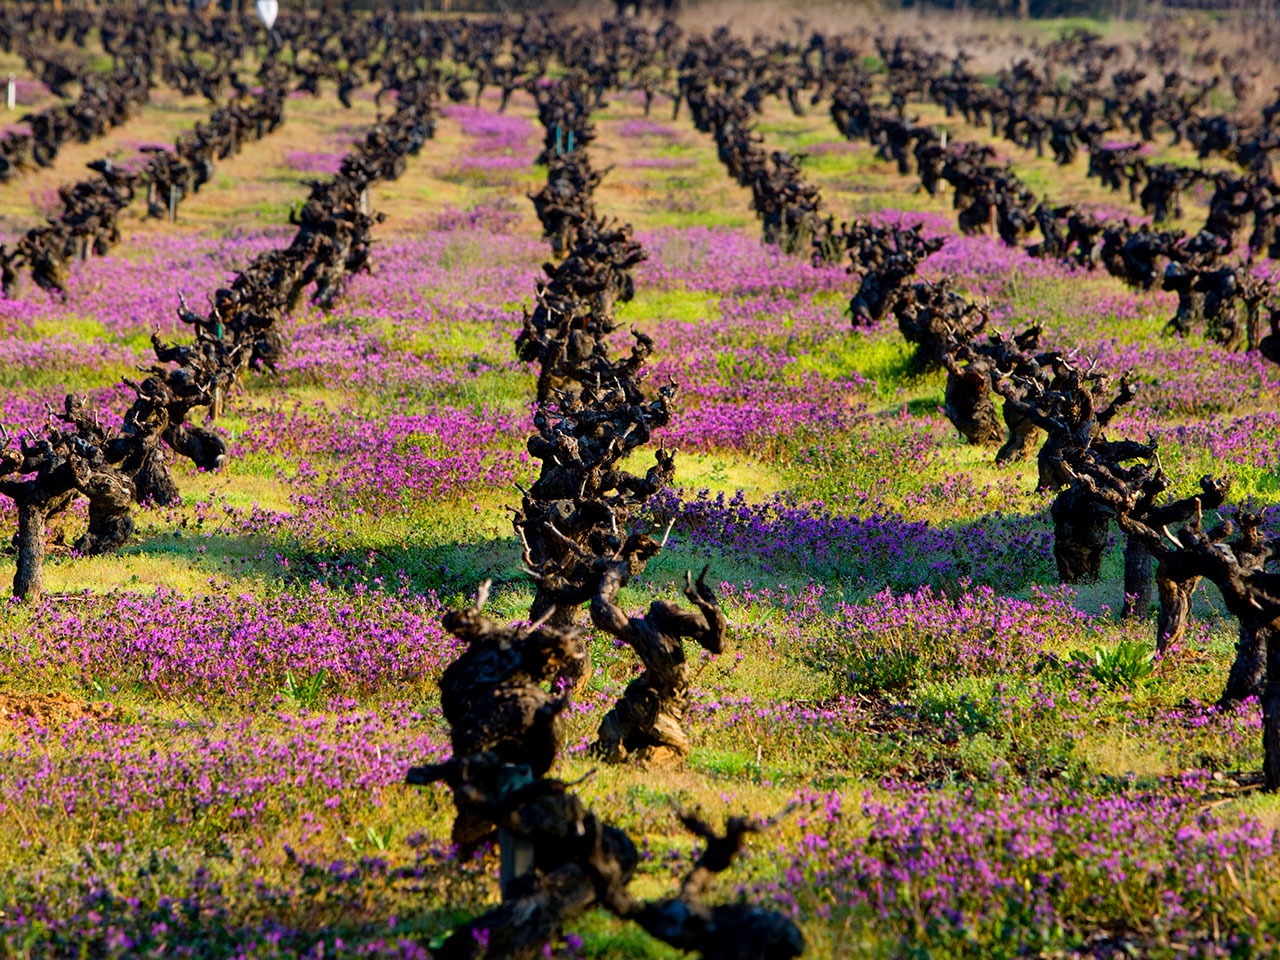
46 709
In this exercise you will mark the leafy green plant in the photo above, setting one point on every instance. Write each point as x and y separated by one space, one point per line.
1129 665
304 693
377 840
381 841
98 690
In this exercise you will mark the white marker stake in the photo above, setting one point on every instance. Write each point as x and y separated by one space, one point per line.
12 98
267 12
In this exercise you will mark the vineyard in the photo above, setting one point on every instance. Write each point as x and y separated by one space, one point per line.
543 485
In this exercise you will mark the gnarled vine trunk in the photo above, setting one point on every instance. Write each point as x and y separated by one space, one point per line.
1175 608
1249 669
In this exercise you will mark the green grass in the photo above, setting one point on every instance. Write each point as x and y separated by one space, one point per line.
687 306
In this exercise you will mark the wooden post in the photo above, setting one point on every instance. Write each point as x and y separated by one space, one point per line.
515 855
28 580
1138 566
173 202
1271 737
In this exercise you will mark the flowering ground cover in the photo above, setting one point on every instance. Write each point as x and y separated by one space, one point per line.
203 737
